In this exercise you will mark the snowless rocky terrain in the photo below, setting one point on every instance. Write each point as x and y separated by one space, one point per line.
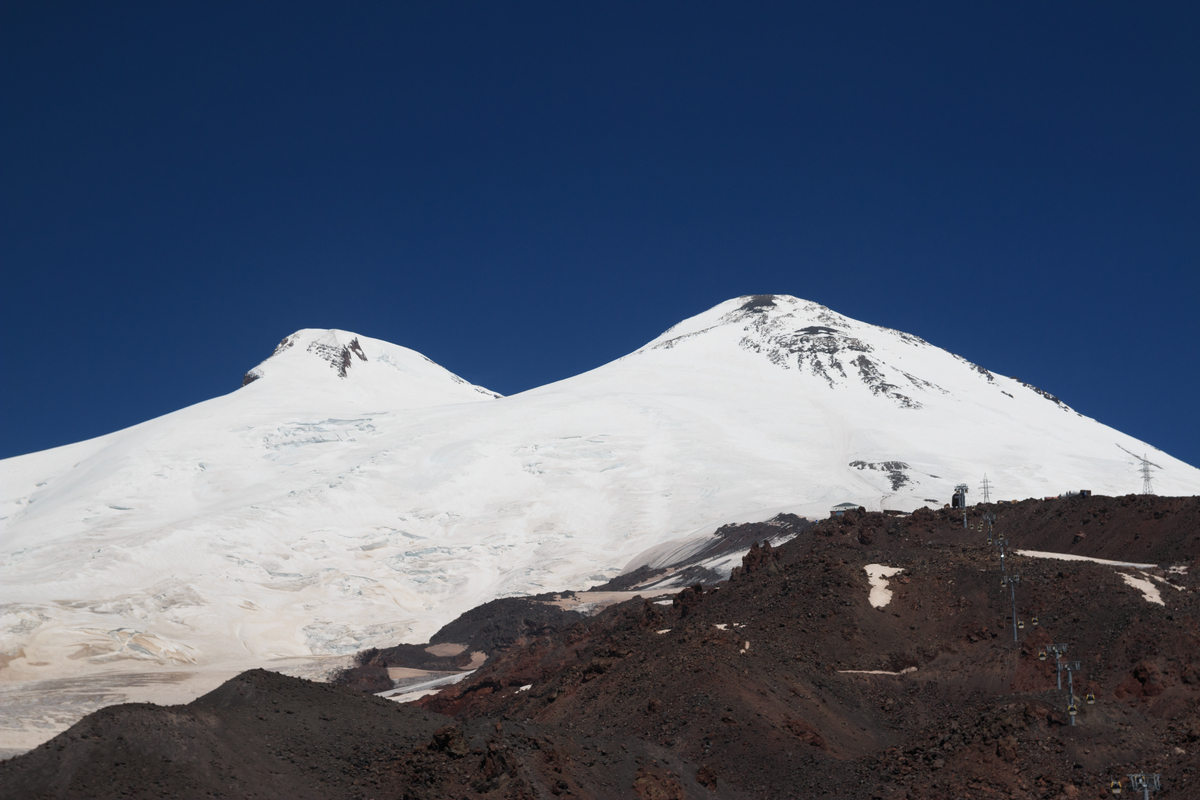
353 494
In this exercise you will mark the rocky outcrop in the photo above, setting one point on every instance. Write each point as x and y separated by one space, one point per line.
339 355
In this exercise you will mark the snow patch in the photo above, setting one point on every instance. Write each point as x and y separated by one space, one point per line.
1164 581
1146 587
878 575
1070 557
416 691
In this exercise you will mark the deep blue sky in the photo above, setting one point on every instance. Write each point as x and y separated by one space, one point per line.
524 191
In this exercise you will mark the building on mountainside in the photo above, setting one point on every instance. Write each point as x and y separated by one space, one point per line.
842 508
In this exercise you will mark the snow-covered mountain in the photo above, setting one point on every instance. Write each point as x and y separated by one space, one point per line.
353 493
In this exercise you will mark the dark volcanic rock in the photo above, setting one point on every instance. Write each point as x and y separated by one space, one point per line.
630 580
747 679
748 689
502 623
264 735
488 629
258 735
757 559
726 539
687 601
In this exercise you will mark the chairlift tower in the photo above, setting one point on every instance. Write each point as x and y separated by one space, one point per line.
1011 581
1072 701
990 519
1058 650
1001 542
1147 782
961 490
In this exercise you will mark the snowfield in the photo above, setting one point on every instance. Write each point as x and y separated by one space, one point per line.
355 494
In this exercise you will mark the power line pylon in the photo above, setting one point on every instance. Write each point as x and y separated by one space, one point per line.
1147 485
986 486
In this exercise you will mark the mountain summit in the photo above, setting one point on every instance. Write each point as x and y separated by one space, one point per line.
313 356
819 343
356 494
326 346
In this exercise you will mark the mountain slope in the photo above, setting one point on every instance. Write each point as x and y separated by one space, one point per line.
354 494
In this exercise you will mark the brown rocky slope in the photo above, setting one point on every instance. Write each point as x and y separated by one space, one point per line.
747 680
738 690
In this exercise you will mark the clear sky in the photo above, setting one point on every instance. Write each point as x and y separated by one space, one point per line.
526 190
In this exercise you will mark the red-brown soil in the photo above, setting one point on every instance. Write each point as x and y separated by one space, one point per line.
757 707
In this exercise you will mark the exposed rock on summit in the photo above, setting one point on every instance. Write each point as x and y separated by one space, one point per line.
337 354
327 347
